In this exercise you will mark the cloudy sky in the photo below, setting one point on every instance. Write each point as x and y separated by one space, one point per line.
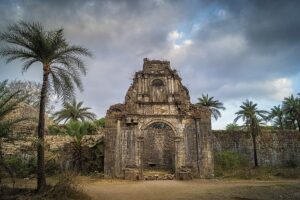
232 50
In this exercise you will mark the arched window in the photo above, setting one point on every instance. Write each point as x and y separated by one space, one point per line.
157 83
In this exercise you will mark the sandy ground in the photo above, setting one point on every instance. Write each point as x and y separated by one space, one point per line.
192 190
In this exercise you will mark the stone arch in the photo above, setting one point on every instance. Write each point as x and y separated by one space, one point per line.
159 146
157 82
146 124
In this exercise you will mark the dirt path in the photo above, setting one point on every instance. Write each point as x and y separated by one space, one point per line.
190 190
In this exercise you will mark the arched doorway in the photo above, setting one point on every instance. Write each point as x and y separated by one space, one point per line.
159 147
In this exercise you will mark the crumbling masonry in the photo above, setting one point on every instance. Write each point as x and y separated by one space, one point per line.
157 128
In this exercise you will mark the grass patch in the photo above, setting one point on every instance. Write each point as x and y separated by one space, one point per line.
230 164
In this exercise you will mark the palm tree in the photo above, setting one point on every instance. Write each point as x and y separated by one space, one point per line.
252 117
77 130
233 127
291 106
61 65
74 111
9 102
214 105
278 114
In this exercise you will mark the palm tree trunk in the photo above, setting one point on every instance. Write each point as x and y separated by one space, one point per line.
254 149
41 179
253 134
280 123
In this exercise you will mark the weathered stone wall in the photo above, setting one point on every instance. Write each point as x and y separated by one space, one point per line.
273 147
26 144
29 126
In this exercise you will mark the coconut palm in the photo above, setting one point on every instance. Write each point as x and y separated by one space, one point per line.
61 65
9 102
278 115
73 111
214 105
291 106
252 117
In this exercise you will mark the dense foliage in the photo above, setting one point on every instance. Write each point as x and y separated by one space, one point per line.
73 111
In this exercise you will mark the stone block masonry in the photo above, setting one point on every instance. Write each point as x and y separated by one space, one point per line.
274 148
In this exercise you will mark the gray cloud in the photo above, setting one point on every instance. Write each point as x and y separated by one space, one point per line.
228 49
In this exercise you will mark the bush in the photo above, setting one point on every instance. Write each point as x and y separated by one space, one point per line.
56 129
25 165
228 163
228 160
22 166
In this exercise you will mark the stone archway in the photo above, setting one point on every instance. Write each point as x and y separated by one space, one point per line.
159 147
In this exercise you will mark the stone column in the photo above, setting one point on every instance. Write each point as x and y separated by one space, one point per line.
141 157
118 147
198 146
146 84
139 84
207 164
204 149
177 157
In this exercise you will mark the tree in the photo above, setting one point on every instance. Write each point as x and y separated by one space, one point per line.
252 117
9 102
214 105
277 114
77 130
100 122
73 111
33 91
61 64
233 127
291 106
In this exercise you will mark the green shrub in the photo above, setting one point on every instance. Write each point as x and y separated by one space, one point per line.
22 166
228 160
56 129
291 164
25 165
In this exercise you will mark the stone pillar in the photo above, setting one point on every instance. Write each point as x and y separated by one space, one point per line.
206 149
169 85
205 163
146 84
118 147
177 157
139 84
141 157
198 146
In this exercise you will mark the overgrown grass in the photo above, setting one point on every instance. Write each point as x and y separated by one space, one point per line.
236 166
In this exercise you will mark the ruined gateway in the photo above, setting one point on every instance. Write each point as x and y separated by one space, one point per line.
157 128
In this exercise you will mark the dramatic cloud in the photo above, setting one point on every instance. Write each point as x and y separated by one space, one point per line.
232 50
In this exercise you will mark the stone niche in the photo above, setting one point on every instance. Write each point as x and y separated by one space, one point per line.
157 128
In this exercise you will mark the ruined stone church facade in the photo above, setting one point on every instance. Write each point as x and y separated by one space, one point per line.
157 128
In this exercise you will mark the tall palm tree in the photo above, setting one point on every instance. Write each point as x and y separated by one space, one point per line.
252 117
277 114
61 65
214 105
9 102
291 106
74 111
